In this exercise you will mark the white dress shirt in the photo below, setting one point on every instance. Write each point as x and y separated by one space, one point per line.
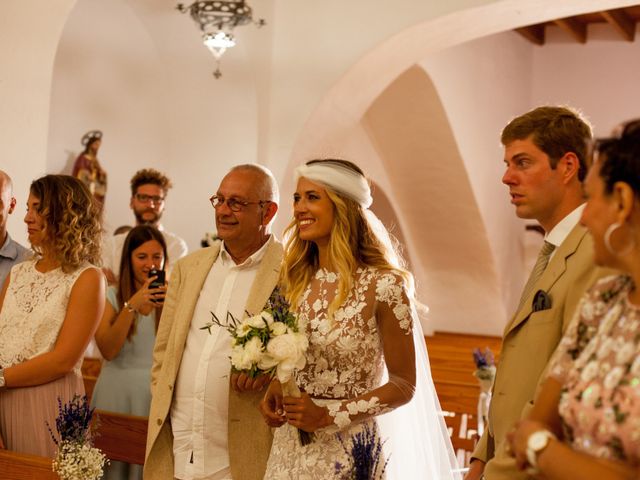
112 250
561 231
199 411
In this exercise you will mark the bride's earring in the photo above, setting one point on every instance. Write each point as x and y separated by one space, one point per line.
607 241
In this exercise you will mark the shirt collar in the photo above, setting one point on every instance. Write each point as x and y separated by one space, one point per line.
558 233
9 249
249 262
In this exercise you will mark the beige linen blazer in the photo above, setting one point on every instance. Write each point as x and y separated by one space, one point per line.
249 437
529 340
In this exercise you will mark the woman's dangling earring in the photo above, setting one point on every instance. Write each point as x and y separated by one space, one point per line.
607 241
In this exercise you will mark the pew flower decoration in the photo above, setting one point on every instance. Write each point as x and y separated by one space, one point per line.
365 457
485 367
76 458
269 343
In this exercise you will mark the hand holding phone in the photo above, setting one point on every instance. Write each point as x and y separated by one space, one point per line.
158 282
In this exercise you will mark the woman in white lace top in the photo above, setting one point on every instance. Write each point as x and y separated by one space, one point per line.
49 309
354 300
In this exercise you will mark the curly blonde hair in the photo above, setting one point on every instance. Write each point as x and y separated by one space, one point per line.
72 220
352 244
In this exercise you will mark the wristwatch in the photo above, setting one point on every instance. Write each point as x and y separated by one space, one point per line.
536 443
129 307
2 385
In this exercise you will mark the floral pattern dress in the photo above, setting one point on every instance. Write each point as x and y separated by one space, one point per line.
598 364
345 368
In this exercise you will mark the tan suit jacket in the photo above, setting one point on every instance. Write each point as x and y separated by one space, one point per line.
248 435
529 340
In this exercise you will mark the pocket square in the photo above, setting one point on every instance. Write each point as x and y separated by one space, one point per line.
541 301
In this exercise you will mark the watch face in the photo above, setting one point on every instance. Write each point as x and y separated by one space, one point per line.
538 440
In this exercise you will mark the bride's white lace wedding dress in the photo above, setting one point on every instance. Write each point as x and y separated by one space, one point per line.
346 370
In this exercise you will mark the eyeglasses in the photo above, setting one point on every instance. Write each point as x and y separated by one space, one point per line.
144 198
234 204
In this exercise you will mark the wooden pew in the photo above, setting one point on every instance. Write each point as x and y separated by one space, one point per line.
121 437
20 466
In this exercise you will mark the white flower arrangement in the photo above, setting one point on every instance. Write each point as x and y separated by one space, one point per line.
76 458
78 461
268 343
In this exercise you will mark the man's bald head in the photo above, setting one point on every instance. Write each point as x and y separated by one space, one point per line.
7 203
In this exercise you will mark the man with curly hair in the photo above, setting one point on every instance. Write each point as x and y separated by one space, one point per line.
11 252
149 189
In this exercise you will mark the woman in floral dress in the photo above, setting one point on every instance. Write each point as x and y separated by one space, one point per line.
586 420
49 309
366 351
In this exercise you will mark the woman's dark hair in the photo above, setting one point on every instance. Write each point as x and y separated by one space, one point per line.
619 157
126 283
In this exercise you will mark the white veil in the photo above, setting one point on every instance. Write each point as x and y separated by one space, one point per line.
417 443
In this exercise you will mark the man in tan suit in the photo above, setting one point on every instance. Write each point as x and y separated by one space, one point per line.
199 428
545 157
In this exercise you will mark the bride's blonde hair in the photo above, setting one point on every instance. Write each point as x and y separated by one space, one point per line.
353 243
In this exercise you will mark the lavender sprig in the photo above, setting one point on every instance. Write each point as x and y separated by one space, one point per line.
73 422
365 457
483 359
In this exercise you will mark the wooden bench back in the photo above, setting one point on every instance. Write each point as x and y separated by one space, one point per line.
121 437
20 466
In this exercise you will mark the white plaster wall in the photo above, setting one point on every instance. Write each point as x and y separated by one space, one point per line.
483 84
601 77
142 76
28 38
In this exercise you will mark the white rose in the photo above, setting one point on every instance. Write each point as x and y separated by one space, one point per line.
243 357
256 321
267 317
253 350
288 349
238 358
267 362
278 328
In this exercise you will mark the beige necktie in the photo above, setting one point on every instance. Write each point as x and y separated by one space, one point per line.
536 273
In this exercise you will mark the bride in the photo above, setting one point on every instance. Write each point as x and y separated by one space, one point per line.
366 373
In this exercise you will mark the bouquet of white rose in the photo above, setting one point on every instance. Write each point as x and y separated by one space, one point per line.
76 459
269 343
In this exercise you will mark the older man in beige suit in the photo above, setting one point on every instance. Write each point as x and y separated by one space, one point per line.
545 157
199 428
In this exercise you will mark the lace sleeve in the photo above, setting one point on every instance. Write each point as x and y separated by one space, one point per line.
394 320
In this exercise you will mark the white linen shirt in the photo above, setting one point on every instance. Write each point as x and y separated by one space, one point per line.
199 411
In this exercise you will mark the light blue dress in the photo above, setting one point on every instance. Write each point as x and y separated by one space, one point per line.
124 382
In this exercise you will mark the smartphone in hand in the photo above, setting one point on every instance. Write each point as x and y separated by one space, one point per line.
158 282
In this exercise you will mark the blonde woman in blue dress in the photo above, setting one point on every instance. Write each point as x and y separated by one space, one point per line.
366 365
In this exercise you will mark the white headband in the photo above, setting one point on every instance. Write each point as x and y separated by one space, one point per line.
341 179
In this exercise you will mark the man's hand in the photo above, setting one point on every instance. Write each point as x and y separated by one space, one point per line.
475 470
241 382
